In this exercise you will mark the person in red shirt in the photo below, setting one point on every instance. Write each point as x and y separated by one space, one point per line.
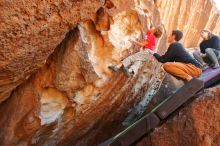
149 39
149 42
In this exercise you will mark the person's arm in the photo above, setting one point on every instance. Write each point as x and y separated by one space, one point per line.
216 42
149 20
141 44
166 57
202 49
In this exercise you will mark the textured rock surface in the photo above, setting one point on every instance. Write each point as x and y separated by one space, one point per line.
29 33
196 125
70 97
190 16
66 100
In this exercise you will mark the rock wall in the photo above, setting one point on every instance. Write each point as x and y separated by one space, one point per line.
195 125
71 96
54 68
190 16
30 31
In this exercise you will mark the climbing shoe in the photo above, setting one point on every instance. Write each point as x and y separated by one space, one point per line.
113 68
126 71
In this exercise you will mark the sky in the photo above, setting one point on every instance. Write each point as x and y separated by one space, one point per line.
217 3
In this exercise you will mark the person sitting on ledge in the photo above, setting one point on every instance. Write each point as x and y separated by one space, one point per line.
209 53
148 43
177 61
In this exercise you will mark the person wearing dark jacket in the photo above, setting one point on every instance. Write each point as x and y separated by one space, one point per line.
209 53
177 61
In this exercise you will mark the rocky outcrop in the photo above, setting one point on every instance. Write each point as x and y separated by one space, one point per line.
65 101
195 125
30 31
190 16
54 69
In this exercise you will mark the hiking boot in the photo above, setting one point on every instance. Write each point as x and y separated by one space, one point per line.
126 71
113 68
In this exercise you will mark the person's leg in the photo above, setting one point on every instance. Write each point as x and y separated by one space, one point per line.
197 56
123 64
212 56
204 61
208 61
181 70
129 60
140 56
115 67
218 55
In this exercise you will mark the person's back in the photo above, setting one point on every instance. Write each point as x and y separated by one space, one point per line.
209 53
150 38
181 55
177 61
213 42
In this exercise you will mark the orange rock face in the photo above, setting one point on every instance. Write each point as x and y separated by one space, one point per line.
54 69
30 31
65 101
195 125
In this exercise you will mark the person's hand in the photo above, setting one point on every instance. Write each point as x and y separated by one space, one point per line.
196 49
203 55
130 40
